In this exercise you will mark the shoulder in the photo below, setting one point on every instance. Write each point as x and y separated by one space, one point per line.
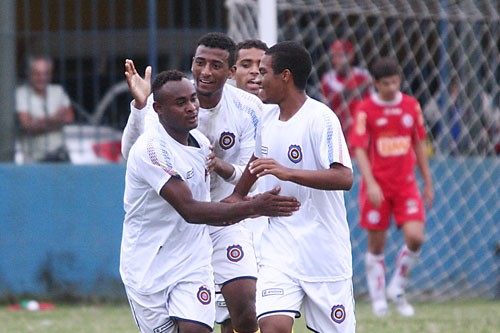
242 98
409 99
200 137
55 88
368 102
361 71
270 111
318 113
23 89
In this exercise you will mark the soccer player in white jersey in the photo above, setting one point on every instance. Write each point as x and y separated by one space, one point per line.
166 249
228 117
306 260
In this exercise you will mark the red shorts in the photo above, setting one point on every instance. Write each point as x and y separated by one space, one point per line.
405 205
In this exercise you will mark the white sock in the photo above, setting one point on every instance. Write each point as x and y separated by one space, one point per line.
404 263
375 276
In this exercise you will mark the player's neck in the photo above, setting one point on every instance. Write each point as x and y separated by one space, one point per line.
210 101
290 105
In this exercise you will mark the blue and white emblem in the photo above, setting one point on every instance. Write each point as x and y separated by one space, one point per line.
338 313
295 153
226 140
204 295
235 253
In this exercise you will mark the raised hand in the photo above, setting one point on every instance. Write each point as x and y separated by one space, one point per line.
140 88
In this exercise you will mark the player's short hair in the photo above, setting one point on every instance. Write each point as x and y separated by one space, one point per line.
219 40
385 67
163 77
293 56
251 44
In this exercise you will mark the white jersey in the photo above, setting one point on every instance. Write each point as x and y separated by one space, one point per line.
35 147
230 126
314 243
158 246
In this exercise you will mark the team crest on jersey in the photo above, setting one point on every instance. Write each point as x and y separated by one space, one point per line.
226 140
204 295
295 153
338 313
235 253
407 121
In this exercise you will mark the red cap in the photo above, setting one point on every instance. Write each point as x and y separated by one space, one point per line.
341 45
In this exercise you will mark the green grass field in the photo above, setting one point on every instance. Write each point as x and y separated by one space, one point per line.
476 316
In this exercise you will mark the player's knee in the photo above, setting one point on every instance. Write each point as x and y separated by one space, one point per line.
414 242
245 320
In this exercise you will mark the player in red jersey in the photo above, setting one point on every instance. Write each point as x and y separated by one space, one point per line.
388 138
345 85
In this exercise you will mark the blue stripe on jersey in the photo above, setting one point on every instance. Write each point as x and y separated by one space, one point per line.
250 111
329 138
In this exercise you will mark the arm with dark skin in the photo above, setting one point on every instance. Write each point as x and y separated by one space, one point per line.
178 194
337 177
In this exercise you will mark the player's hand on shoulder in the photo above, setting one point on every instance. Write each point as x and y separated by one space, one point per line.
268 166
140 87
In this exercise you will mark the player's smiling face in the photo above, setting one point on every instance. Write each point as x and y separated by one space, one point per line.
246 70
271 87
177 108
210 70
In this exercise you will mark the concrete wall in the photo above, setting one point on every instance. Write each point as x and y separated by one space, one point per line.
61 230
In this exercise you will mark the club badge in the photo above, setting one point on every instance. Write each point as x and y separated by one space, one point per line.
204 295
226 140
338 313
295 153
235 253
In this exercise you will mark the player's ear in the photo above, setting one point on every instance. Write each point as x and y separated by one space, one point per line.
286 75
232 71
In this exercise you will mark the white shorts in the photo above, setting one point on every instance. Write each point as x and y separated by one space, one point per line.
257 227
233 253
233 258
191 299
328 306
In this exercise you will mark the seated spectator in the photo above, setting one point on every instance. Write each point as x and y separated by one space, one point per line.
42 111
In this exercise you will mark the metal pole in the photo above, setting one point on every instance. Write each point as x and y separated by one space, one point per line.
268 22
7 79
152 36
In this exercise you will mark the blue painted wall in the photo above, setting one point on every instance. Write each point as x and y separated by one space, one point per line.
61 230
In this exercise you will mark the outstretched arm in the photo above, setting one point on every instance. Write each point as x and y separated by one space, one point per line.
178 194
